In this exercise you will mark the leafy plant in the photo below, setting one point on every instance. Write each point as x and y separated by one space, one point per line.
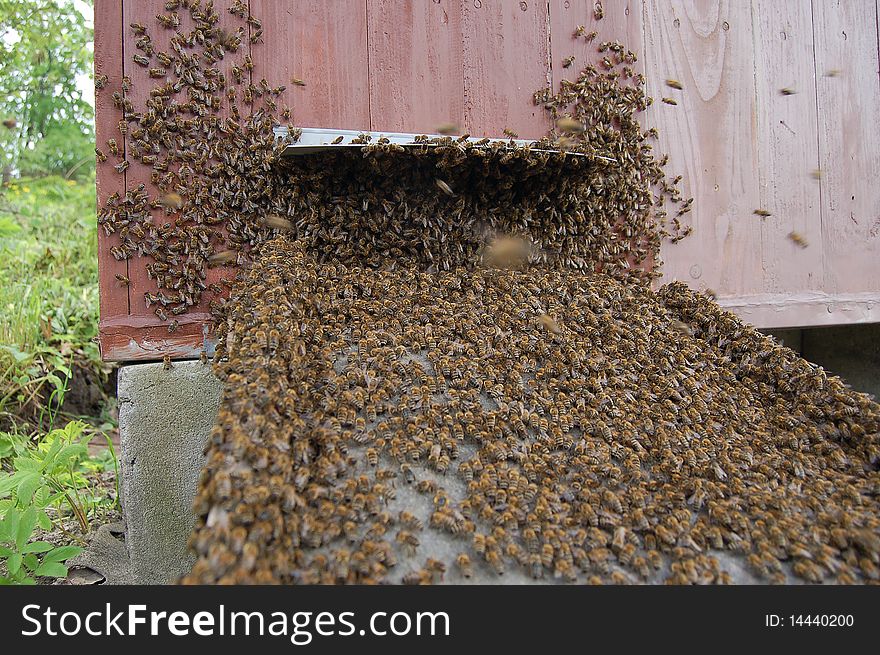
26 559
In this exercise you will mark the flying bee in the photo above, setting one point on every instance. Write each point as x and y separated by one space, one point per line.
668 101
568 61
276 222
798 239
510 133
570 126
222 258
297 82
787 91
338 139
763 213
816 173
674 84
448 128
444 187
549 324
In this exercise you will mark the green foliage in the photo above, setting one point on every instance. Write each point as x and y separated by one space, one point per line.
26 558
47 480
61 151
45 45
48 294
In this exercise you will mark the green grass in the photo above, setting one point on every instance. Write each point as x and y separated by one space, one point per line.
48 295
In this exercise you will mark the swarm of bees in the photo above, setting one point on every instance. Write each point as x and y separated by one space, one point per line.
543 424
206 135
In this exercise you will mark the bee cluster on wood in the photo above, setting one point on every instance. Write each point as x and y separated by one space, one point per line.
205 131
400 425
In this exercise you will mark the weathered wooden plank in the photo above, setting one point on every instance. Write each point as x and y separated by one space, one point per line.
711 137
506 52
108 61
140 339
849 144
325 45
788 151
622 21
416 67
805 309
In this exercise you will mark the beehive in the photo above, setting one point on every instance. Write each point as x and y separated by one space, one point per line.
367 65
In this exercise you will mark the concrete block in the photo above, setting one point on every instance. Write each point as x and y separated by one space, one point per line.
165 420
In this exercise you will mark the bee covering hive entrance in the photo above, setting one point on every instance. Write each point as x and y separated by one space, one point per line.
407 426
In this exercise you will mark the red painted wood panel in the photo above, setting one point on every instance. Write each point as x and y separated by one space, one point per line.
108 61
416 65
506 49
324 44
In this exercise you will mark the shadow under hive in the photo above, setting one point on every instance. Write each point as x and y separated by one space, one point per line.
413 426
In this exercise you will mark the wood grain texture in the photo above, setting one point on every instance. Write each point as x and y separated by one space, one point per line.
506 50
416 65
711 137
108 61
325 44
788 146
849 144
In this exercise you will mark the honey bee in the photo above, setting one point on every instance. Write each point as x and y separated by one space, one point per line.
568 61
448 128
141 60
277 222
222 258
166 362
113 147
463 562
798 239
549 324
100 81
138 28
100 156
122 279
444 187
579 31
598 11
122 166
172 327
570 126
